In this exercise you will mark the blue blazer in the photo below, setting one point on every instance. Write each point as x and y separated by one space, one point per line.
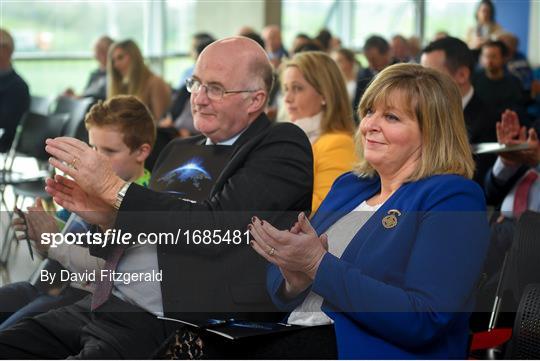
404 291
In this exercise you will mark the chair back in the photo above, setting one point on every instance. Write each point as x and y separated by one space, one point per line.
525 341
34 130
524 258
40 105
76 108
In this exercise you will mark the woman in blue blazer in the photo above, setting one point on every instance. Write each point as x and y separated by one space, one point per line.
389 263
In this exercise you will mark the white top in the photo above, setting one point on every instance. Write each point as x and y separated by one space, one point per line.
311 126
467 98
340 235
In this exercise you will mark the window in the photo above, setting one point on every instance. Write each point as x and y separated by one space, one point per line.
454 17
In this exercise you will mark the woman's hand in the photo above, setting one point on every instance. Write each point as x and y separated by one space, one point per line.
91 171
298 255
70 195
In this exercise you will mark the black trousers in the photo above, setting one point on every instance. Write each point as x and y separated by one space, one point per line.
315 343
117 330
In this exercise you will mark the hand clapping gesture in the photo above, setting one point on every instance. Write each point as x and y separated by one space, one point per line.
297 252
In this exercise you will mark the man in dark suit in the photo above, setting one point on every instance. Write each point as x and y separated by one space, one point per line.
377 52
14 94
453 57
264 168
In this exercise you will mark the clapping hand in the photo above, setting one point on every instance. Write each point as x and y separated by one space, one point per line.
509 132
297 252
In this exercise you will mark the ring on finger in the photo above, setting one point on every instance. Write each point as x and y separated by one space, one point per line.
271 251
73 163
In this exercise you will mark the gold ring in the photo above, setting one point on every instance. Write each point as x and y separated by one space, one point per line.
271 251
74 163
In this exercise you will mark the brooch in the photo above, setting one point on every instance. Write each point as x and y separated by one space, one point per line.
390 221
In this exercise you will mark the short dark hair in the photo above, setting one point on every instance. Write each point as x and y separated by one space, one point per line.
456 52
255 37
497 44
202 40
491 7
377 42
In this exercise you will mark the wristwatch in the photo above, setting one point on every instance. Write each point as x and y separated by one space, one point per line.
120 195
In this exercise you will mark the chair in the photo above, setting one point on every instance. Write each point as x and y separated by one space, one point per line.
76 108
40 105
521 265
29 141
525 341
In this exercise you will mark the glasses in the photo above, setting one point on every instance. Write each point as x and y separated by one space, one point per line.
213 91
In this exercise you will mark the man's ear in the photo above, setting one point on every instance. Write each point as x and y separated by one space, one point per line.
143 152
258 101
462 75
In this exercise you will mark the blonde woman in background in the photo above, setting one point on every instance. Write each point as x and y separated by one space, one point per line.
128 74
316 100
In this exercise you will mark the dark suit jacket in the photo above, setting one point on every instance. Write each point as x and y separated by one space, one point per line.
270 171
480 122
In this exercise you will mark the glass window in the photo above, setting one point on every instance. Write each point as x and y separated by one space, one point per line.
383 17
451 16
303 17
49 28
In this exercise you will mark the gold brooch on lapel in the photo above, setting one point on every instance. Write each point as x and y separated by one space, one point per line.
390 221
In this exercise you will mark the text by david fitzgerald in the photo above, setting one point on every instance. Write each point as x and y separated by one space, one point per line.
103 275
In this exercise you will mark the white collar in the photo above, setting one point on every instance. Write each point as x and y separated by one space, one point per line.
311 126
229 141
467 97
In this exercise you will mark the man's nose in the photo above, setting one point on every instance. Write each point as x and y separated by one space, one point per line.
201 97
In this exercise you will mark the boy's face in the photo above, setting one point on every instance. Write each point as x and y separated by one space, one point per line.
107 140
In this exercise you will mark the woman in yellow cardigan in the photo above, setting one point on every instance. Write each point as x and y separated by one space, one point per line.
316 100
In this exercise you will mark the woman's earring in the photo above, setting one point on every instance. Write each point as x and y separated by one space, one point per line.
323 103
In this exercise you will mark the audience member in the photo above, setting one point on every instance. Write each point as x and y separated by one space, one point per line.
316 100
274 45
377 52
399 47
349 66
486 28
513 185
128 74
265 167
96 87
516 62
384 273
300 40
440 34
246 29
324 38
415 48
452 57
512 169
180 116
498 90
121 129
14 93
199 41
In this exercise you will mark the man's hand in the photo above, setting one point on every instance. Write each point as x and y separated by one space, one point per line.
70 195
509 132
91 171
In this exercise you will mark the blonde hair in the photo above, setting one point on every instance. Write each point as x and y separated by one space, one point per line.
434 100
137 77
323 74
